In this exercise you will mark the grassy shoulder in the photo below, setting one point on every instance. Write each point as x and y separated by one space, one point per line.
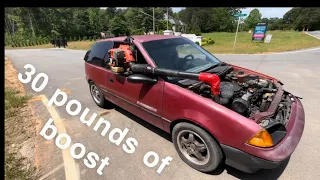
281 41
19 129
31 47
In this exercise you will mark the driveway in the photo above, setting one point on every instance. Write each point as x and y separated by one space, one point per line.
65 69
315 34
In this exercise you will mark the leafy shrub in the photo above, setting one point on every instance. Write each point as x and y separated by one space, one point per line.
197 43
70 38
84 38
210 41
79 38
94 37
206 41
74 38
90 38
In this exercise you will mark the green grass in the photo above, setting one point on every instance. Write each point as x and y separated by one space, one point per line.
16 166
31 47
13 101
281 41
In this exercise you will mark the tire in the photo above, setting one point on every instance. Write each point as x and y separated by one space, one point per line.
213 153
102 102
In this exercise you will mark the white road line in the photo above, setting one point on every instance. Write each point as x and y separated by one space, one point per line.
312 35
69 163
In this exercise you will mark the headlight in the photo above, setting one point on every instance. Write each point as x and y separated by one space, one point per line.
261 139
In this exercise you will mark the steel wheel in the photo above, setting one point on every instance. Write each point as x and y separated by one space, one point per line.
193 147
97 96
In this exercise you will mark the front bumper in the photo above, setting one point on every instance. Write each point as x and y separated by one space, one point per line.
250 159
246 162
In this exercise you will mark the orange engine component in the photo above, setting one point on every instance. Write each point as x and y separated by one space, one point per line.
121 56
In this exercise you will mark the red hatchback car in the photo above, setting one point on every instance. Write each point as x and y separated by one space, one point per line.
216 112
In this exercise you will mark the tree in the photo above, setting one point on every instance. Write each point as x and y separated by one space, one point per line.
118 26
253 18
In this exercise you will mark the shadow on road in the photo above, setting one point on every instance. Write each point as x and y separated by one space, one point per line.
265 174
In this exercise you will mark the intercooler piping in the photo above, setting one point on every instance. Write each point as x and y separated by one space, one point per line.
211 79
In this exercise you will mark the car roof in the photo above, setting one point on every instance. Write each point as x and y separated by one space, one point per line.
143 38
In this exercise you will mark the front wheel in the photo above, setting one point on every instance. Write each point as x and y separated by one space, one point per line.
97 96
196 147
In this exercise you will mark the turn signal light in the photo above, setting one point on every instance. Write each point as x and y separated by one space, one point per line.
261 139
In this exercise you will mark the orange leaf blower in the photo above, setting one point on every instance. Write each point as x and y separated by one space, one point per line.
121 56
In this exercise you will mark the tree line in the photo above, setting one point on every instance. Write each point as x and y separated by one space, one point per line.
42 24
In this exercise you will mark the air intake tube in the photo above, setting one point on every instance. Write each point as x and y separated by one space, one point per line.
211 79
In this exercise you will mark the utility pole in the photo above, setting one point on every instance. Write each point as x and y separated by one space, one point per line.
153 22
238 16
235 39
167 18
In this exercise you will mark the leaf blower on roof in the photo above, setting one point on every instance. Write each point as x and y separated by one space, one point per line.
122 61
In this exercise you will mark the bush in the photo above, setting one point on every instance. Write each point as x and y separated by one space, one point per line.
90 38
204 43
74 38
210 41
204 39
137 32
84 38
70 39
79 39
94 37
13 45
197 43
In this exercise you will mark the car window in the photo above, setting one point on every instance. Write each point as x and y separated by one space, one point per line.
186 49
179 54
98 53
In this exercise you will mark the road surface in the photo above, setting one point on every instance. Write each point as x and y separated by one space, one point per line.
65 68
315 34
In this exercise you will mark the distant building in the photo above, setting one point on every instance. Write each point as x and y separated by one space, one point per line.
177 25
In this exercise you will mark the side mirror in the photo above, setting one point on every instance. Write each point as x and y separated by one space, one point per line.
141 79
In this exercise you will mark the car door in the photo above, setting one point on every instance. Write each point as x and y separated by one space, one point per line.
143 100
96 58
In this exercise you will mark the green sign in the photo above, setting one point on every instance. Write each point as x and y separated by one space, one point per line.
240 15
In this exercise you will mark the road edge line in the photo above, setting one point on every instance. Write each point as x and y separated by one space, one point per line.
68 161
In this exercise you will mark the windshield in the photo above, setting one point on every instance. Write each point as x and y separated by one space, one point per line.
180 54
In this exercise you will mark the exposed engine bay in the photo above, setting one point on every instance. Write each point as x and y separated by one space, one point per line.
262 100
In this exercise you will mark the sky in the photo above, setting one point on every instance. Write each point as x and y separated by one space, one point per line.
266 12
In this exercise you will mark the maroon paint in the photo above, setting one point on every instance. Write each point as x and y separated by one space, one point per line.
174 103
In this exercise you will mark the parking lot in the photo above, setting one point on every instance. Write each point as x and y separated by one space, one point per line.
299 71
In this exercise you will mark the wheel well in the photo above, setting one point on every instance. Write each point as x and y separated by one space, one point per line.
191 122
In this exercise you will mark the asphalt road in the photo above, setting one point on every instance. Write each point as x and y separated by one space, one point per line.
299 72
316 34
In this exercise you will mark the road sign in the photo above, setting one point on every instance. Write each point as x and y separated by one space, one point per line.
239 15
268 38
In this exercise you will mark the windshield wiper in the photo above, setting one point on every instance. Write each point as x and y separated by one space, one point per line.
214 66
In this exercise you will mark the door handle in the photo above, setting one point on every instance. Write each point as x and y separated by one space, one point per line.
111 80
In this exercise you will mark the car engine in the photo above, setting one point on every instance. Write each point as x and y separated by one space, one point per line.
256 98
